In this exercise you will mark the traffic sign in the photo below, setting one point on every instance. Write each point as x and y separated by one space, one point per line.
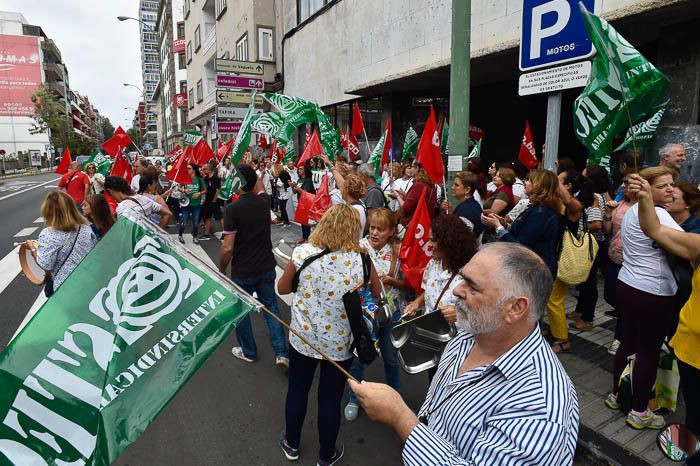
552 32
240 82
236 97
239 67
554 79
234 112
228 127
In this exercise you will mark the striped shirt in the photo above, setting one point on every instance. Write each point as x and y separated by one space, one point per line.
520 409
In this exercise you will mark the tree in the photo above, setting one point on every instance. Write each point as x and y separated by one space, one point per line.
135 136
107 128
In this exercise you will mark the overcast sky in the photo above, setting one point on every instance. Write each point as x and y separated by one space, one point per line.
99 51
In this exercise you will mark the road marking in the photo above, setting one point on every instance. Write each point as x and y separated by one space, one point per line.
51 186
39 220
29 189
26 231
40 300
9 268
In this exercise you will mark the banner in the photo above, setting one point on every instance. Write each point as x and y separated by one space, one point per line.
192 137
20 74
645 130
415 252
102 163
410 143
108 351
528 154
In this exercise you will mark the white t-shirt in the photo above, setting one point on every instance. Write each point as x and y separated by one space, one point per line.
434 280
135 183
363 218
644 264
139 205
519 189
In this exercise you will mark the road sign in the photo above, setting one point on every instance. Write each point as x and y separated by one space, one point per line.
240 82
552 32
239 67
228 127
236 97
554 79
234 112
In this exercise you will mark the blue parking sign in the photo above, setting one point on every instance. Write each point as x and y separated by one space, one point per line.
552 32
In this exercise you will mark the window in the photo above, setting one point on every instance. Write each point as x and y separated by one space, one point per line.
242 48
149 5
265 44
150 47
306 8
220 8
183 87
151 76
189 52
181 63
181 30
200 91
151 67
149 37
190 99
197 39
186 13
148 17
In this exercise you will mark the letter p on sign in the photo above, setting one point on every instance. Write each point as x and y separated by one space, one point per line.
562 9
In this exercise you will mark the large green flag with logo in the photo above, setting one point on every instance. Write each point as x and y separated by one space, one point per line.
622 88
410 143
642 134
244 134
273 124
107 352
233 182
102 162
289 152
191 138
376 157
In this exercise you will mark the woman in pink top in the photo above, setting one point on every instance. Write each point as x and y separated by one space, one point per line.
612 225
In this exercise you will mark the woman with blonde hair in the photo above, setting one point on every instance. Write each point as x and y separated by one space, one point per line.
327 267
65 241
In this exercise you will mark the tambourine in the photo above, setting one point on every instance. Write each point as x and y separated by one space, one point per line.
30 267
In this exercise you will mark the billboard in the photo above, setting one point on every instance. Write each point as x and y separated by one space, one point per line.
20 74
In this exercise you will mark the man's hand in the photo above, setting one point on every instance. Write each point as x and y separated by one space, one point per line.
411 309
384 404
449 313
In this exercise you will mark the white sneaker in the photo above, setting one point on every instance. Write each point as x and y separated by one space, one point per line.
612 349
283 363
237 351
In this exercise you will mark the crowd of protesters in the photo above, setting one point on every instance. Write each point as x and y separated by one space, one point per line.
502 298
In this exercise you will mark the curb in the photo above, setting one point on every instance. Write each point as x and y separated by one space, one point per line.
603 451
20 175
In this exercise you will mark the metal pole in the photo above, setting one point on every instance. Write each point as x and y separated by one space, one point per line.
459 90
552 138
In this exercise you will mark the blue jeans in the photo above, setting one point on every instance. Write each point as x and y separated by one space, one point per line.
389 356
264 286
185 213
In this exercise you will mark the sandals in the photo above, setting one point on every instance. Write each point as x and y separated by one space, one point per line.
561 346
580 324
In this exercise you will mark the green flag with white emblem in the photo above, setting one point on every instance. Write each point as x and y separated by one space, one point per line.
233 182
410 143
622 88
275 125
244 134
296 110
376 157
289 152
102 162
108 351
643 132
476 151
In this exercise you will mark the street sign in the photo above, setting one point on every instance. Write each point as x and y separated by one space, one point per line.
180 100
234 112
240 82
239 67
552 32
228 127
554 79
236 97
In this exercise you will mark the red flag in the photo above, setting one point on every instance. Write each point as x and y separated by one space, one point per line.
178 173
121 168
301 215
262 141
65 164
174 154
307 136
428 154
353 147
225 149
528 154
117 142
387 142
415 253
322 201
344 139
201 152
476 133
218 144
357 125
312 149
274 154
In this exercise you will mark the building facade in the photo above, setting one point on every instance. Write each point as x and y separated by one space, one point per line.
393 57
148 13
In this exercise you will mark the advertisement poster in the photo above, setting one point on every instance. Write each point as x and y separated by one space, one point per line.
20 74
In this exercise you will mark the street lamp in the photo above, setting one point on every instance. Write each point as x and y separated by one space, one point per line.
143 96
160 69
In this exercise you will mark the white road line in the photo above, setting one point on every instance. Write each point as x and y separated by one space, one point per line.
39 220
40 300
26 231
51 186
29 189
9 268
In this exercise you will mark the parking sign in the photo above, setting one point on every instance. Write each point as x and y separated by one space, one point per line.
552 32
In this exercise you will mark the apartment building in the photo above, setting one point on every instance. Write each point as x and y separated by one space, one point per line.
148 13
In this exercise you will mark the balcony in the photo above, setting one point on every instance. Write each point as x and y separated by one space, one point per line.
51 51
210 99
58 88
55 72
209 42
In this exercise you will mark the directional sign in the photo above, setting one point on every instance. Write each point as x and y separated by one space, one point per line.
554 79
553 33
236 97
234 112
240 82
228 127
239 67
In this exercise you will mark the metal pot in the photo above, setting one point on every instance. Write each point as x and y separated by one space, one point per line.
420 341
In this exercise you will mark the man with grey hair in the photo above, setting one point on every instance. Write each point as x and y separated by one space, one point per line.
673 156
374 199
500 395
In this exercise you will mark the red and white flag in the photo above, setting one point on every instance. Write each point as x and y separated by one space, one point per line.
274 152
117 142
350 144
528 153
415 251
387 143
429 154
178 173
174 154
225 149
65 164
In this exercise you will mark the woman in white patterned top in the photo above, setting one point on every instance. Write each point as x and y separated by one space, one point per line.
319 315
65 241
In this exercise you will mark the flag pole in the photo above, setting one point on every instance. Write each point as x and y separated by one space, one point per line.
308 343
364 131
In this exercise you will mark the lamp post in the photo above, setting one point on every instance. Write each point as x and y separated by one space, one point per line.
138 132
160 71
143 96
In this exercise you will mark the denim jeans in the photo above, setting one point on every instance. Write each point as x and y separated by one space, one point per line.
389 356
264 286
185 213
331 383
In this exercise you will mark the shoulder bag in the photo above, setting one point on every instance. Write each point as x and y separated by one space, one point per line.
48 284
577 255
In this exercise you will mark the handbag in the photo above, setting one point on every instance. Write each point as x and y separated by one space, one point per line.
48 284
577 255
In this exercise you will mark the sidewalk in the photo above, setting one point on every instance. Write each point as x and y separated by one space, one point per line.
603 433
19 174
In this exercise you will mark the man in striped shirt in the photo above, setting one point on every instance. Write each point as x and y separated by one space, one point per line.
500 395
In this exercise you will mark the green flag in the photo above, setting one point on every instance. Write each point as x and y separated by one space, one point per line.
233 182
108 351
275 125
102 162
645 130
243 136
289 152
376 157
191 137
296 110
330 137
410 143
444 148
476 151
623 87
